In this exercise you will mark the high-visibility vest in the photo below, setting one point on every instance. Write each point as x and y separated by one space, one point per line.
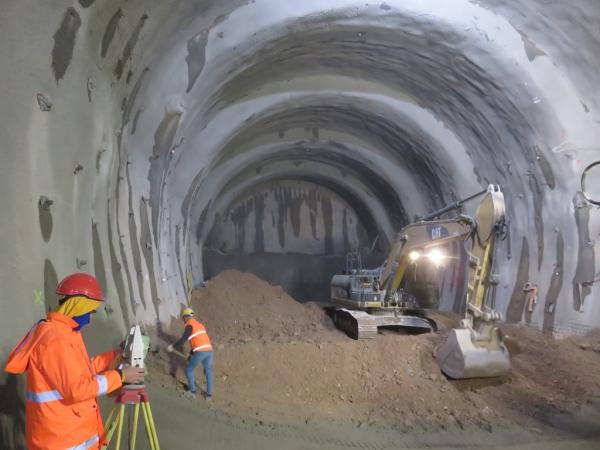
63 383
199 340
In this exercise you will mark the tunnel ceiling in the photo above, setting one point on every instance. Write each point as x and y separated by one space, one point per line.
331 123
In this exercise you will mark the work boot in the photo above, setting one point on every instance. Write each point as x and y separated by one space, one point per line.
190 394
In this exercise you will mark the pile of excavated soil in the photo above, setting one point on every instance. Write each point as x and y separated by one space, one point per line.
238 307
276 359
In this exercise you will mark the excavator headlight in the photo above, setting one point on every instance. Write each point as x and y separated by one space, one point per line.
414 256
436 257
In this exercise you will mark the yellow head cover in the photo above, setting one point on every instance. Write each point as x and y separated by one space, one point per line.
78 306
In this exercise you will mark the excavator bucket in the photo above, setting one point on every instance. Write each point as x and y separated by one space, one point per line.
459 357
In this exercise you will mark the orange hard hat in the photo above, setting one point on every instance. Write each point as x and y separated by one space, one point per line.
80 284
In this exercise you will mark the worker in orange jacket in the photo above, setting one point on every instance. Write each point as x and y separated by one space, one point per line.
63 383
200 352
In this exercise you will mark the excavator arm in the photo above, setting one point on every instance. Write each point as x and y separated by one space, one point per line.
476 349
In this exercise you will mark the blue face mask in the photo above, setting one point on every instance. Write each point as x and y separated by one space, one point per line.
82 320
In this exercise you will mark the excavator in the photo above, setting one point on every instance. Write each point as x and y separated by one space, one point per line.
366 300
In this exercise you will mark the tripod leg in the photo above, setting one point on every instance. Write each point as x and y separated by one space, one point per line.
111 424
120 426
148 429
136 415
152 426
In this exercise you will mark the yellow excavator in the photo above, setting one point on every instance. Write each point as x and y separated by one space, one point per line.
366 300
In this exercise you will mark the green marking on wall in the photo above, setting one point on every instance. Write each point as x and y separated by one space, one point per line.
38 298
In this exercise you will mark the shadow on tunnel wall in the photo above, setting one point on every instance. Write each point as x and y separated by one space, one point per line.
12 414
304 277
171 333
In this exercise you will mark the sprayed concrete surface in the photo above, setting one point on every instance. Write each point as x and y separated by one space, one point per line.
155 143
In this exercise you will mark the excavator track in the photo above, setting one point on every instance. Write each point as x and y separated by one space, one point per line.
362 325
356 324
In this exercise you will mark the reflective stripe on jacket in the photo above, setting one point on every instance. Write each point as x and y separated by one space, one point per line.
61 407
199 340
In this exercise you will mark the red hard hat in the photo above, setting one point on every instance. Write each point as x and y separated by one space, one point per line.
80 284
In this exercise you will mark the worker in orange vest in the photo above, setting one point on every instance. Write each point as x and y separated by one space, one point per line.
63 383
200 352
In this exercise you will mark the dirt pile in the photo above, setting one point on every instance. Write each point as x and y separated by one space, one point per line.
239 307
276 359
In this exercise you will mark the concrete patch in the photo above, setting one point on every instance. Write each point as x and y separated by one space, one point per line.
556 283
129 104
514 312
134 242
109 32
202 222
146 246
545 167
128 49
163 142
64 43
538 205
138 113
45 218
196 57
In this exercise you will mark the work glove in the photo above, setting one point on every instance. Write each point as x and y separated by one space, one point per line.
170 348
133 375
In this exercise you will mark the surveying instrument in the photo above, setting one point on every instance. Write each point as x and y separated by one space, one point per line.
134 353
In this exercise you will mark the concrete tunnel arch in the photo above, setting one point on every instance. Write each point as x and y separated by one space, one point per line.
124 115
338 117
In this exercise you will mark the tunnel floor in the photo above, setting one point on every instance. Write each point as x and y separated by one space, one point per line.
184 424
284 378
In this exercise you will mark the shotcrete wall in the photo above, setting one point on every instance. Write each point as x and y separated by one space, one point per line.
131 128
294 233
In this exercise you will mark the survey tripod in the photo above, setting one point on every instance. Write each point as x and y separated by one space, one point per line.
134 396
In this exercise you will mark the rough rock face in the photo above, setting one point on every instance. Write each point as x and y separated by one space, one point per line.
157 120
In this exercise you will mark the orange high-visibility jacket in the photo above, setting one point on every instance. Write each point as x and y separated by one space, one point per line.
199 340
61 408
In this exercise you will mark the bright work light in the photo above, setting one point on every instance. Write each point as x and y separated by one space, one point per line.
436 257
414 256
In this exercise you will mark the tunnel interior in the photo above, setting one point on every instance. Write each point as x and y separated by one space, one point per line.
208 136
156 144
